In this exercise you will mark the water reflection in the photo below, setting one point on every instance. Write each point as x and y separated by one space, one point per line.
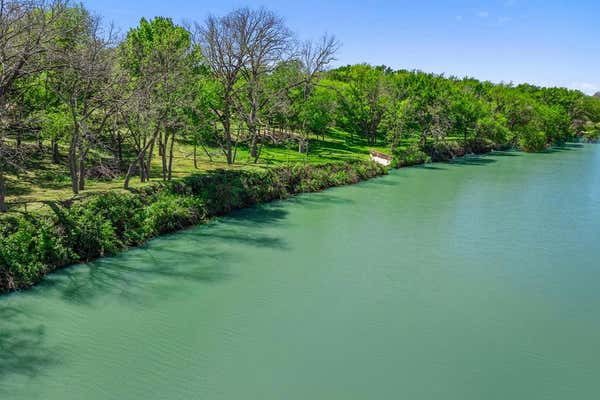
23 346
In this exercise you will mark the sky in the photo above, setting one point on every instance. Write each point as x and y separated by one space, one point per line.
548 43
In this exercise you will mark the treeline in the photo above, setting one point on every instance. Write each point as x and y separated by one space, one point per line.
68 81
110 105
389 105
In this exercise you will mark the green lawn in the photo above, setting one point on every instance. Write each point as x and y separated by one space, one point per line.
43 181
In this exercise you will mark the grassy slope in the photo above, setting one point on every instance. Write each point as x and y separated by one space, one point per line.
43 181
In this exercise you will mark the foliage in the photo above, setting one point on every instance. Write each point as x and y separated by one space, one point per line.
237 84
35 244
412 155
234 85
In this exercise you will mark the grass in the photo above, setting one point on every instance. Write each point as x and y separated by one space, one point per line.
42 182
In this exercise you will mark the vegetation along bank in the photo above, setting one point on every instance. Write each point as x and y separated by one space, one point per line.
108 140
33 245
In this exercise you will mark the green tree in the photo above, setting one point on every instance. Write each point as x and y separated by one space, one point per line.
159 57
364 98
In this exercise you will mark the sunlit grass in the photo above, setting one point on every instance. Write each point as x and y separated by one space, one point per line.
43 181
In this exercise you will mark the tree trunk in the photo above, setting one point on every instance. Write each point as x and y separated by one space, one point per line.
142 167
195 154
3 207
254 143
55 153
149 161
81 171
227 129
423 138
120 149
140 159
256 147
164 142
73 162
144 174
170 166
39 142
161 151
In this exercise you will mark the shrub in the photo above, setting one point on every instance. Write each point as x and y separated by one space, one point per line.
33 246
413 155
29 250
480 146
444 150
122 211
533 141
591 134
168 213
91 234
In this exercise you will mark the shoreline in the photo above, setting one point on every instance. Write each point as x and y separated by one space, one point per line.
109 223
166 207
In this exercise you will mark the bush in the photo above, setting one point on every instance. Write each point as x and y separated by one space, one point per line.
168 213
107 223
533 141
411 156
591 134
480 146
28 249
444 150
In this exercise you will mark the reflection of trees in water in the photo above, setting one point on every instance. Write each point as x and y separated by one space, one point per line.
23 348
146 275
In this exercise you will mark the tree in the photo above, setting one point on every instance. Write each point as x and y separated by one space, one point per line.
364 98
427 108
26 30
224 52
159 58
318 111
315 57
265 39
82 81
242 49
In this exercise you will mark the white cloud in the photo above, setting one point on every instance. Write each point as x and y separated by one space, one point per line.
483 14
586 87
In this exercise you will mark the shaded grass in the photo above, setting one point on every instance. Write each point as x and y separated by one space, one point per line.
41 181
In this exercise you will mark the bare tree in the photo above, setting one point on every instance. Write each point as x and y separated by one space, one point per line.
266 41
315 57
143 129
26 29
9 159
222 41
243 48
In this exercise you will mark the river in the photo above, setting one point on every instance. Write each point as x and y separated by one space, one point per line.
478 279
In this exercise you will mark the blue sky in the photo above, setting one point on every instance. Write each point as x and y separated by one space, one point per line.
552 43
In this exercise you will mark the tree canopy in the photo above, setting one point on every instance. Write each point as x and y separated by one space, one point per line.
107 106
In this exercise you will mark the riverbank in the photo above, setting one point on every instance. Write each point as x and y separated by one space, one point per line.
363 285
35 244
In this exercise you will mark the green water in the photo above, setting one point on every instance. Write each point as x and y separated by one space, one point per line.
476 280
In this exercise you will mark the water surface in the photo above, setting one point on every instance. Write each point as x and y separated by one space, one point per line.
474 280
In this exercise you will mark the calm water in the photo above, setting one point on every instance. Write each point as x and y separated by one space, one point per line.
476 280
